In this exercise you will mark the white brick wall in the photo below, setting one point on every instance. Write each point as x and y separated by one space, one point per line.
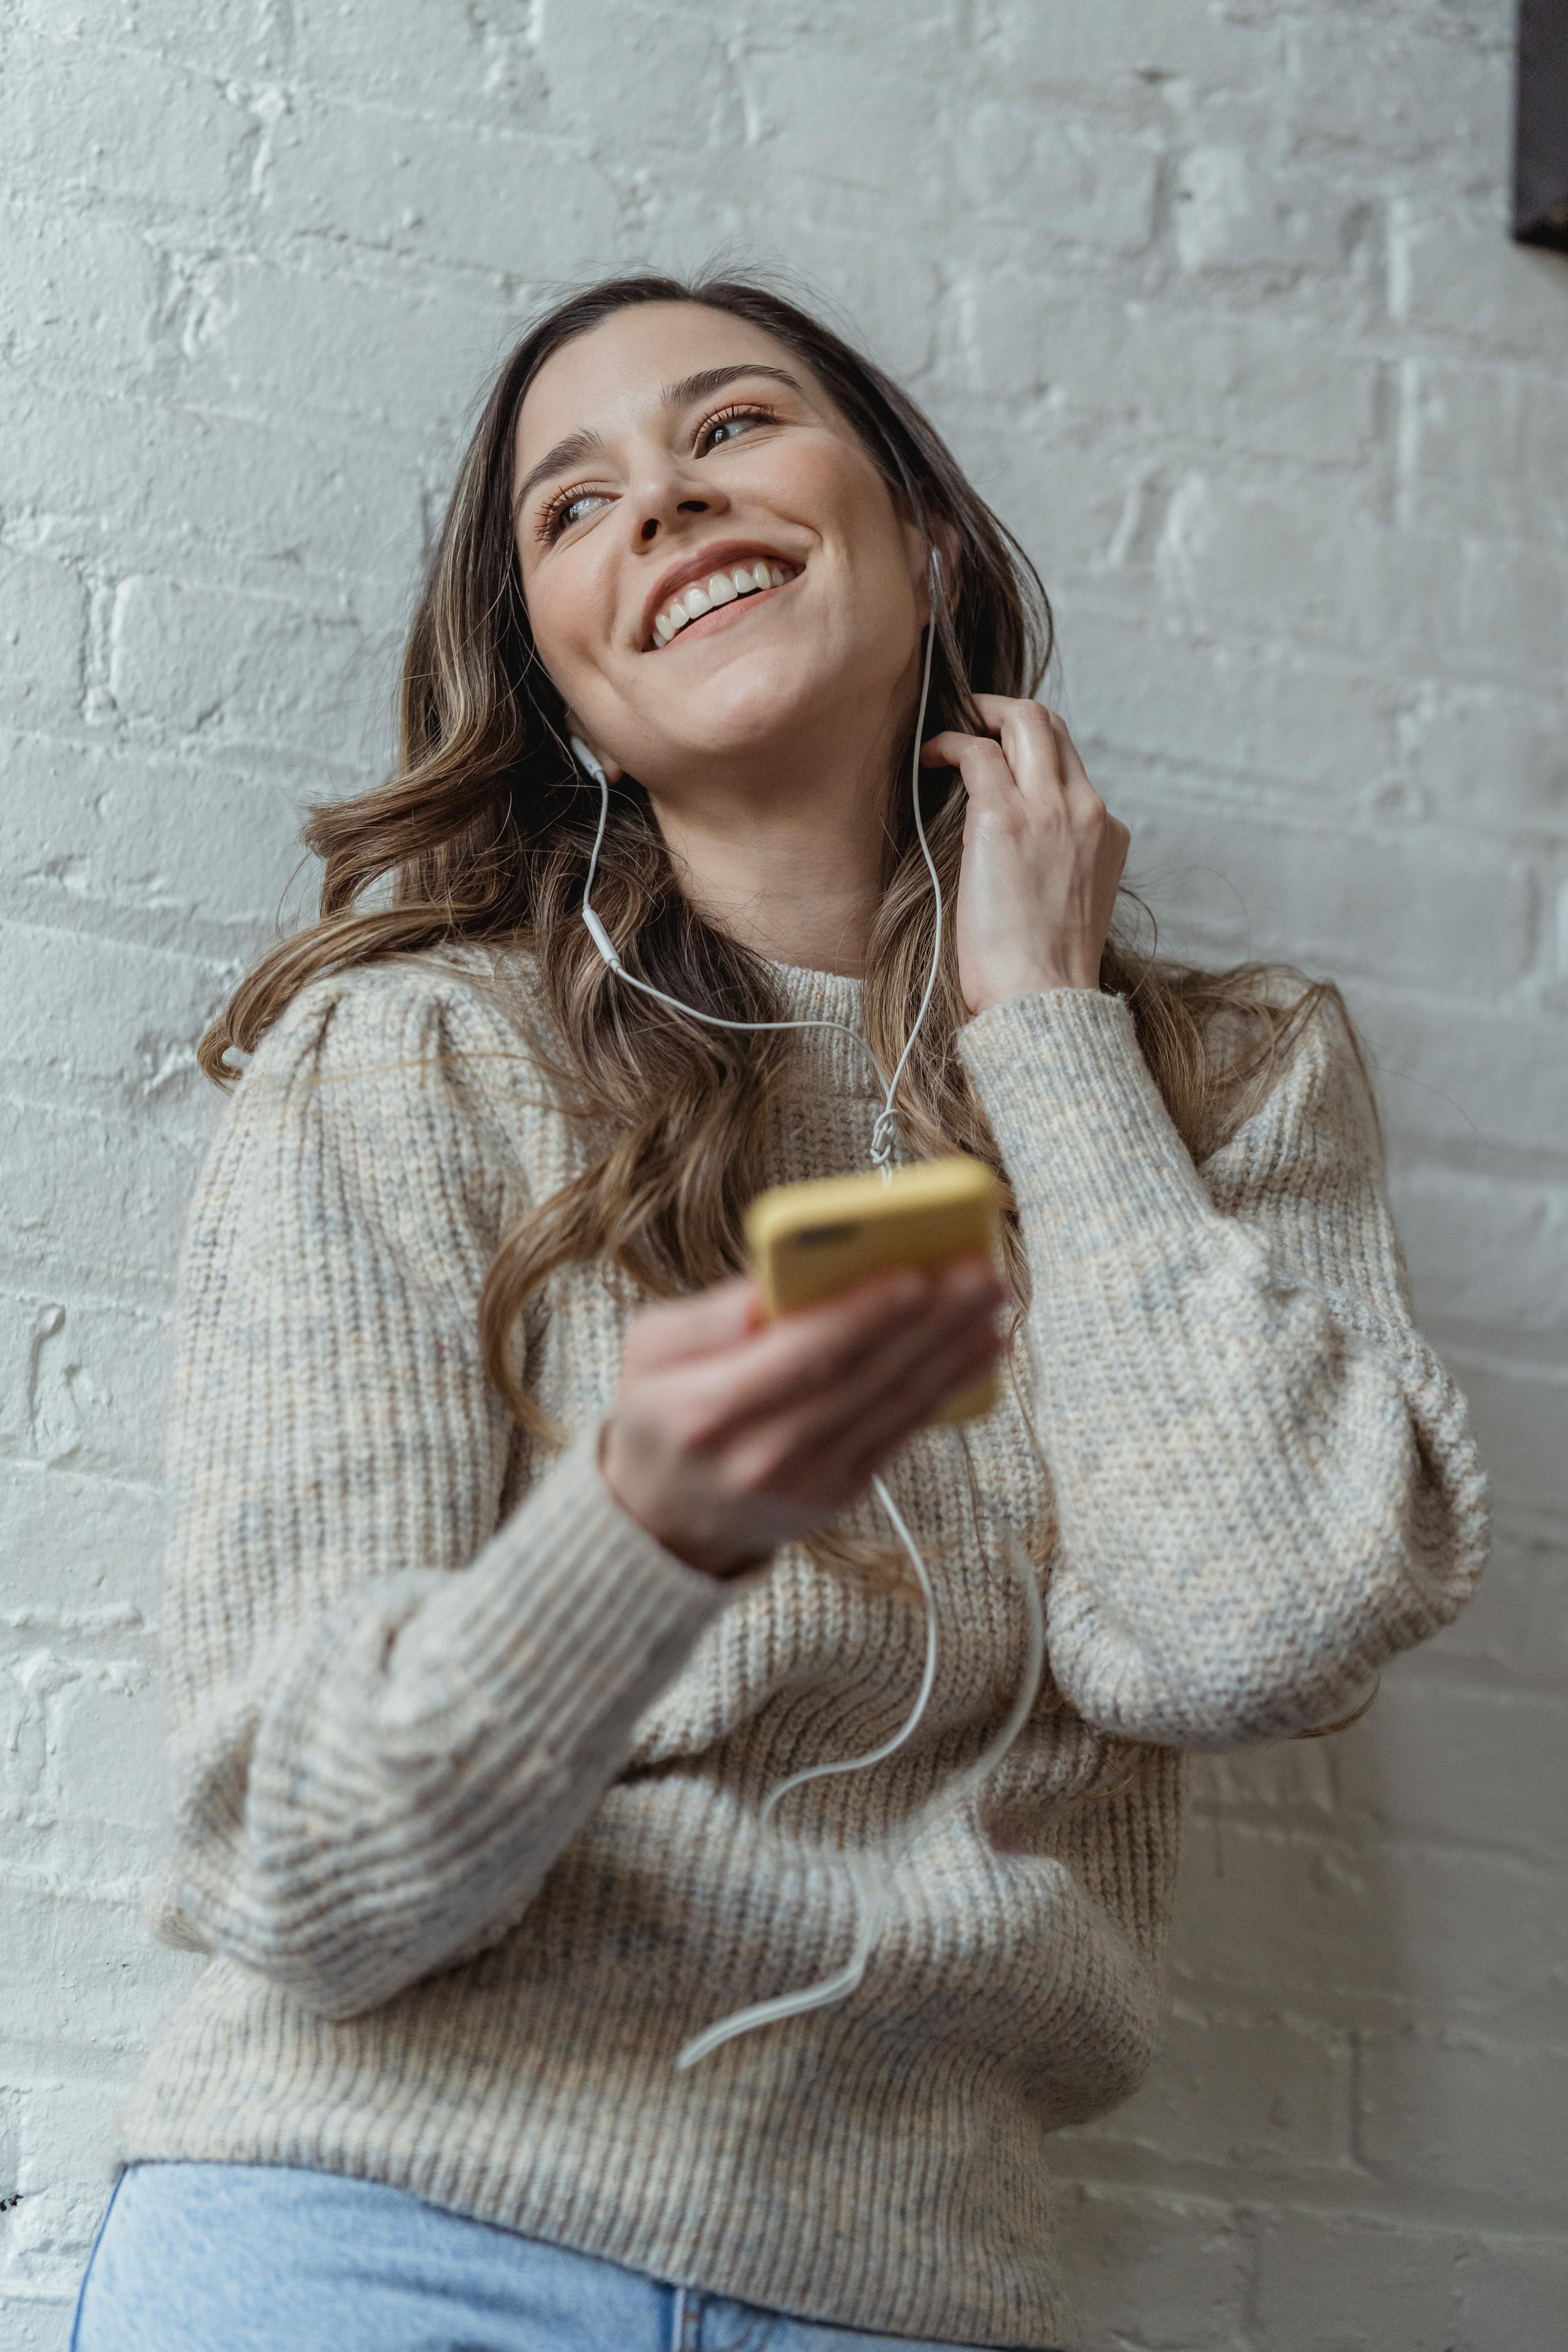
1215 301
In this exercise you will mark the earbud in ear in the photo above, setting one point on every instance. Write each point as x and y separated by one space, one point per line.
586 759
933 573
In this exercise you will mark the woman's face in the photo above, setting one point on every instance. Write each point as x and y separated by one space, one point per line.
675 449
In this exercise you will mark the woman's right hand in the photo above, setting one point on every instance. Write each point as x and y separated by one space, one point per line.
731 1434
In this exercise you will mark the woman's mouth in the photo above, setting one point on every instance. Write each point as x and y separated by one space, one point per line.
700 597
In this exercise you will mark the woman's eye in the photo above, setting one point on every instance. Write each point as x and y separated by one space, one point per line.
728 428
575 509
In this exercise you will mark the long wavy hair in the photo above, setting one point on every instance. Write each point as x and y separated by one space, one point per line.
483 835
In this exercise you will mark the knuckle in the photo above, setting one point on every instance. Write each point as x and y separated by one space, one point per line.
756 1469
690 1426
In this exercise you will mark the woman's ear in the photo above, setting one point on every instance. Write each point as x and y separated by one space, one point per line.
613 768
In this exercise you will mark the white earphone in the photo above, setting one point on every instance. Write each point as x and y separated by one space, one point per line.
872 1880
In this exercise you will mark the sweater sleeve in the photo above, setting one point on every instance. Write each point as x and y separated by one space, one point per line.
1265 1481
388 1713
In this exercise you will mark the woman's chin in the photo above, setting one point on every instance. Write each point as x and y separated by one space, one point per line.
764 706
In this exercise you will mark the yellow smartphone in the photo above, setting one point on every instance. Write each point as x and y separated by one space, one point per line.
808 1240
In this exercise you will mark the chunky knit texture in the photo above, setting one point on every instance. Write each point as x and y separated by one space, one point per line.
469 1768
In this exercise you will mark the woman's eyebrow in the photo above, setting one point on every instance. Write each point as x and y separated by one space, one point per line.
569 452
709 381
700 387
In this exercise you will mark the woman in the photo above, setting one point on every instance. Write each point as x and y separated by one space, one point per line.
516 1559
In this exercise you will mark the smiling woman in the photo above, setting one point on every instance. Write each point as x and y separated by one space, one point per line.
517 1559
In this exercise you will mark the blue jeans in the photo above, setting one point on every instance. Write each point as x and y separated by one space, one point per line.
264 2258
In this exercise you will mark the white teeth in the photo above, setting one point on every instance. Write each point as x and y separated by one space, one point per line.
724 587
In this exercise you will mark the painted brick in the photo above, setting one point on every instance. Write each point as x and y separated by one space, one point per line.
43 620
1452 275
1292 1778
209 833
196 661
664 82
81 297
1246 385
1271 561
1486 1766
1225 706
1485 1252
87 1976
77 1547
1108 52
1240 1880
87 1383
1514 608
220 37
1520 1410
105 1741
1081 185
81 119
159 481
325 341
1232 215
1487 450
61 2209
125 1183
1477 756
1466 1940
1258 2094
1401 88
21 1757
1468 1080
35 2324
1445 2113
1517 1625
102 1008
894 114
487 67
1160 2272
1378 1926
1510 2293
1337 2283
392 182
1337 901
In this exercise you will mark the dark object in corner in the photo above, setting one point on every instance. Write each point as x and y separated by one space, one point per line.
1540 126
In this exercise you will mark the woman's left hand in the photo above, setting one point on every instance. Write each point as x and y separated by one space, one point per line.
1042 856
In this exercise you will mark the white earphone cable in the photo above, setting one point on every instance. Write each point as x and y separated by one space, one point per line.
884 1133
869 1874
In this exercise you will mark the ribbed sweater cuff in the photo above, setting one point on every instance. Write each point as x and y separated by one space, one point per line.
1087 1143
573 1604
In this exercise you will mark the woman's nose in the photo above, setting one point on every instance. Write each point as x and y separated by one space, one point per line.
661 502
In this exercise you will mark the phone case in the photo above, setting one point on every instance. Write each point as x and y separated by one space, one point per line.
808 1240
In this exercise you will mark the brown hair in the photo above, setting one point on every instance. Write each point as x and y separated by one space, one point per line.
484 835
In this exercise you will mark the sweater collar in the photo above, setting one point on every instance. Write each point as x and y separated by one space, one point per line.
825 1058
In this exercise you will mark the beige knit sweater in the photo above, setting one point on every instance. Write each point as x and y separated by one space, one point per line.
468 1767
